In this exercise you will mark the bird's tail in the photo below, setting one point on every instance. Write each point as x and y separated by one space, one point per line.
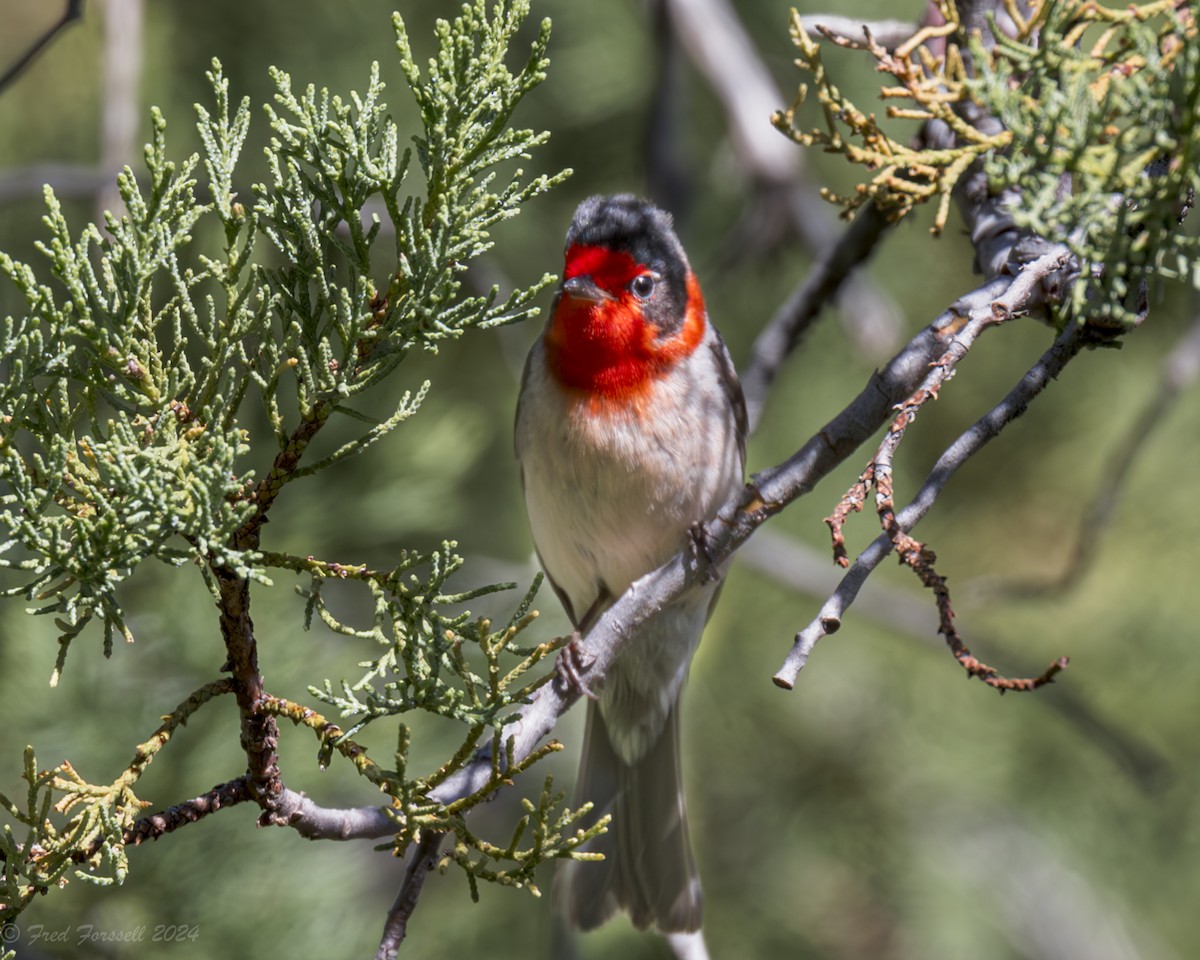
648 868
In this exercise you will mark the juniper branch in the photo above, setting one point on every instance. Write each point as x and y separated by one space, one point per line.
424 859
190 811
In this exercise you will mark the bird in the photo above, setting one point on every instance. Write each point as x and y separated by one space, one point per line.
630 432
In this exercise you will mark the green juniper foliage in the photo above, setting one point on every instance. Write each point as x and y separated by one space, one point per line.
138 359
1105 149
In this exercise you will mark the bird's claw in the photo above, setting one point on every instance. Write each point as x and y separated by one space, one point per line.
572 662
698 536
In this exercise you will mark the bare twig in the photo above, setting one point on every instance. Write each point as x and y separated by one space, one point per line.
802 567
424 859
793 318
887 33
921 559
72 12
1032 278
156 824
879 471
1180 369
829 618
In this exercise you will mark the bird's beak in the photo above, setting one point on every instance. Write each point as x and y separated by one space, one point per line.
584 288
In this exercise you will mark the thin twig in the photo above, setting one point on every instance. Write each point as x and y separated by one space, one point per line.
804 568
72 12
1030 279
781 335
424 859
887 33
829 618
879 471
1180 369
156 824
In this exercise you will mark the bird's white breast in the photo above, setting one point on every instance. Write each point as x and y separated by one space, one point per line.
611 491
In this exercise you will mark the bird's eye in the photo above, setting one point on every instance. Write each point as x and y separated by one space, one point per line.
643 286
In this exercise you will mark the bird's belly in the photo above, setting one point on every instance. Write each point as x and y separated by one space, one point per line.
610 499
611 493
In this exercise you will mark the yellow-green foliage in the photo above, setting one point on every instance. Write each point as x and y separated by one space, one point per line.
1098 132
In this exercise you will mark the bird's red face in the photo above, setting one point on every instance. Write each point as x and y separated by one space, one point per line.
618 324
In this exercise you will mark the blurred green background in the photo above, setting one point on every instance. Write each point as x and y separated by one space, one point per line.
884 808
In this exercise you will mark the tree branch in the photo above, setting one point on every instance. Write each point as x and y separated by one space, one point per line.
829 618
314 822
260 732
72 12
793 319
803 568
156 824
887 33
879 469
424 859
1180 369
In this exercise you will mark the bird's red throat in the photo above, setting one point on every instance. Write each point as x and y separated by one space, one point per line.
608 350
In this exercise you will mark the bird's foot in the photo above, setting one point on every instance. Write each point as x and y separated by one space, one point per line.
698 536
572 662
